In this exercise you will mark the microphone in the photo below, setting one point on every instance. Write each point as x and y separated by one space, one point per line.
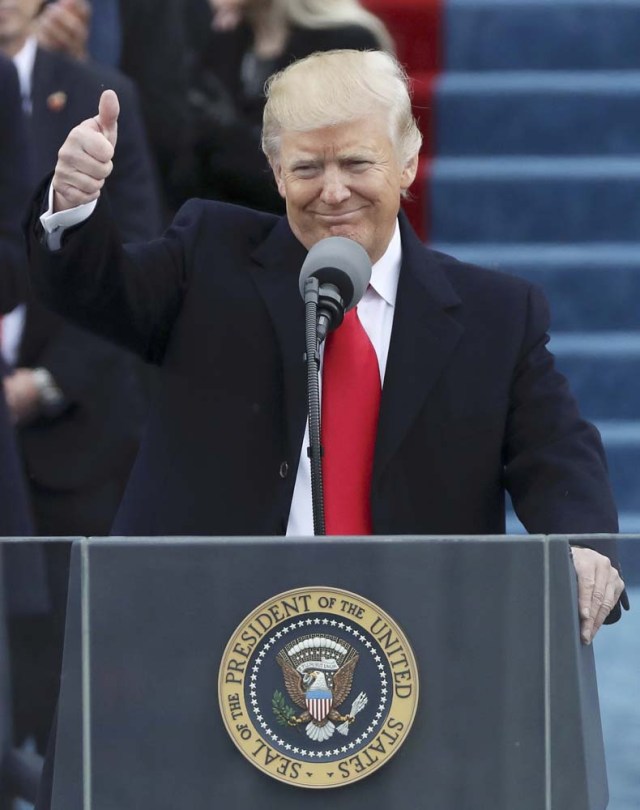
342 269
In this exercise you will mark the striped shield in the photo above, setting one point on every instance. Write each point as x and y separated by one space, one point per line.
319 702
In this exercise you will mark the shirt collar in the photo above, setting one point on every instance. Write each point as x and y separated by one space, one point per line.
24 61
386 271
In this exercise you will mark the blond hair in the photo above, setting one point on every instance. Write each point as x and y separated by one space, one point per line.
335 13
333 87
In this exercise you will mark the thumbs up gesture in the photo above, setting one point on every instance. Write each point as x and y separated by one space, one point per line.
85 159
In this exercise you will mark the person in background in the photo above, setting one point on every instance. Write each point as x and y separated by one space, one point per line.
15 518
22 582
75 400
145 40
72 398
249 40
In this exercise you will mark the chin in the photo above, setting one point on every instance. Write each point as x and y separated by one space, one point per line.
347 231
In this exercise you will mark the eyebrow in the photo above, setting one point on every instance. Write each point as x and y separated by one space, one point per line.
302 162
348 157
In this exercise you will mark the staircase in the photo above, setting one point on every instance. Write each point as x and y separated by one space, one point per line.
536 171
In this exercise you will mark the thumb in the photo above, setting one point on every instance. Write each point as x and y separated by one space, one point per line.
107 118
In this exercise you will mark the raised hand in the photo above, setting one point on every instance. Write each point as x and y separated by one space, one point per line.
85 159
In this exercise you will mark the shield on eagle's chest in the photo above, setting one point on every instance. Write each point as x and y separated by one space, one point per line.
319 702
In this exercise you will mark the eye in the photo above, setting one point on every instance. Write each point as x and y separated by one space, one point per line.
358 164
305 170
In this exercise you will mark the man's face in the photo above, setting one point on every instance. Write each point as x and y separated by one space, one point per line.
343 180
15 21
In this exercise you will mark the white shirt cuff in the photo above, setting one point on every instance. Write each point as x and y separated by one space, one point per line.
56 224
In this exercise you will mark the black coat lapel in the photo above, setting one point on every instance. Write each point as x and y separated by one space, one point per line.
424 335
277 267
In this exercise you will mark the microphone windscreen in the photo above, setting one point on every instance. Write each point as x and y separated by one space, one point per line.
340 261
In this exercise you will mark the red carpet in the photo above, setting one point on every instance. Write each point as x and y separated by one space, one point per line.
416 27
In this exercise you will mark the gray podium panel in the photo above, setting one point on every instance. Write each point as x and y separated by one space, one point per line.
507 717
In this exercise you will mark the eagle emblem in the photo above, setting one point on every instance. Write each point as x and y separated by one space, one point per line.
318 674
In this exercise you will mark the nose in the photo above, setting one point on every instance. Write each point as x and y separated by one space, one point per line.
334 188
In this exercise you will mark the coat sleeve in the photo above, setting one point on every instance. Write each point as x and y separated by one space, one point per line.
555 465
130 294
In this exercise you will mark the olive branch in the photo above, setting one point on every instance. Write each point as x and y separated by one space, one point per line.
283 712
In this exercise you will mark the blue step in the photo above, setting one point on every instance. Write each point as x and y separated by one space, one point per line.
603 371
594 286
622 444
538 113
629 553
534 199
541 34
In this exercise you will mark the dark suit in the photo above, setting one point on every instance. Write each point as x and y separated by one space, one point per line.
77 461
18 587
14 189
78 458
471 404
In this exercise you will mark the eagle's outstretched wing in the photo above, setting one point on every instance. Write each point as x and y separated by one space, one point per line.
293 682
342 680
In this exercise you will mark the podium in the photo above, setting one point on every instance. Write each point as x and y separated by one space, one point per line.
507 716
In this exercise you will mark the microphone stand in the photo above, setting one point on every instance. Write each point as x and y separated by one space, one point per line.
312 358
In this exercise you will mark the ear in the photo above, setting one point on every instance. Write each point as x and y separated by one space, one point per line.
276 168
408 174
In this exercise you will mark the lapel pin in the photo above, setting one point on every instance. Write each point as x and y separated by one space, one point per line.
57 101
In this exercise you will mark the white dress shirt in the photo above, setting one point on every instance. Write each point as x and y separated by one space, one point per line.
375 312
24 61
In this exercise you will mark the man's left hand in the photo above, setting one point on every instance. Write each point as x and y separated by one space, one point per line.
599 588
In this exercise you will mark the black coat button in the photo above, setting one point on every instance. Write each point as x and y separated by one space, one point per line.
284 469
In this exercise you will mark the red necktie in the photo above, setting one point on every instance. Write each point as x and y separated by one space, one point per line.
350 407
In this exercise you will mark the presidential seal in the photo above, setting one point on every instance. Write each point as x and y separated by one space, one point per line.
318 687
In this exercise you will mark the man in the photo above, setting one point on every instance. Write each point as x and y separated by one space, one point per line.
471 402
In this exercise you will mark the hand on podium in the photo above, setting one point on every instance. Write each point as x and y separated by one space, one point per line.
85 159
599 588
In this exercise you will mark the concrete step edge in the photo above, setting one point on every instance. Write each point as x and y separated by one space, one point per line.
620 254
533 167
619 433
593 346
614 82
514 5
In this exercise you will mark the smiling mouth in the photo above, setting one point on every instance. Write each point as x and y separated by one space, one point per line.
337 216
